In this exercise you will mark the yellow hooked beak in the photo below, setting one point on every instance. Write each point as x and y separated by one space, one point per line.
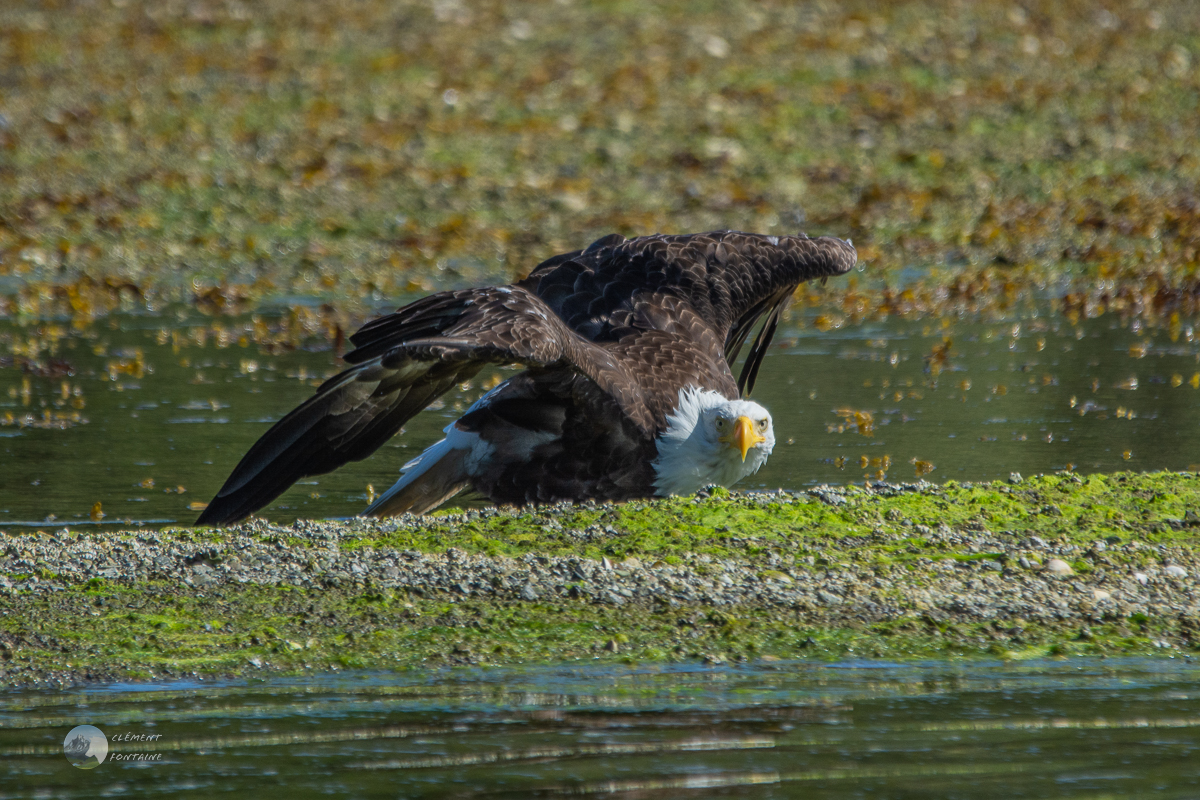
744 436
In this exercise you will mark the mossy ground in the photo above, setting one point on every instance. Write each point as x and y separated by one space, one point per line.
1066 507
107 628
152 631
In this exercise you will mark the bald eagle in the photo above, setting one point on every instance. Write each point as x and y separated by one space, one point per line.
627 390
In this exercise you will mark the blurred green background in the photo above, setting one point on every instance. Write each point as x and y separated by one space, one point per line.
229 153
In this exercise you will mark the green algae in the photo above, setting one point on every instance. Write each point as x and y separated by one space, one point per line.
1149 508
153 631
109 627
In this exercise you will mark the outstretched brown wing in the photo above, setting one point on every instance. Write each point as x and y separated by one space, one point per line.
404 361
730 279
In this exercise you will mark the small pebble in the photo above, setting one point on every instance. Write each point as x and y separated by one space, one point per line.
1176 571
1141 578
1059 567
1100 594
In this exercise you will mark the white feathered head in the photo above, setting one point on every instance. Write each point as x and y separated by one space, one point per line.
709 440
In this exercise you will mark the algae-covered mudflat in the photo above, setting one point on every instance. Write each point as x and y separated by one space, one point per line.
992 162
1055 565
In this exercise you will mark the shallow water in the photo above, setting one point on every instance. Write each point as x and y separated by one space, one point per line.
1121 727
158 409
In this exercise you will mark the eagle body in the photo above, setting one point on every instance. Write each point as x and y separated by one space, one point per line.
627 390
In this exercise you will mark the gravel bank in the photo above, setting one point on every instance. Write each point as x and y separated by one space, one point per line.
1012 581
899 578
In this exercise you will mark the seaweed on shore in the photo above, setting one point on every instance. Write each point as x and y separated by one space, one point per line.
1052 565
980 155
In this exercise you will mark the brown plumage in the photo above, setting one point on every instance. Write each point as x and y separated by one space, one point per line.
608 335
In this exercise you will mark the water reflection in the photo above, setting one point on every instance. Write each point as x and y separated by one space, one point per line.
785 729
147 415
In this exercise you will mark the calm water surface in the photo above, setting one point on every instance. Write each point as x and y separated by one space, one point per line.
1116 728
157 410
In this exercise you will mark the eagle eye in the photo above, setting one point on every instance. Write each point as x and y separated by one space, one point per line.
721 423
762 424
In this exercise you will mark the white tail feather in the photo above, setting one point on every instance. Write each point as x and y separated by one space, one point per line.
433 477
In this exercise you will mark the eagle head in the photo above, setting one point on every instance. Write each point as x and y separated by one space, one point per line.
709 440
